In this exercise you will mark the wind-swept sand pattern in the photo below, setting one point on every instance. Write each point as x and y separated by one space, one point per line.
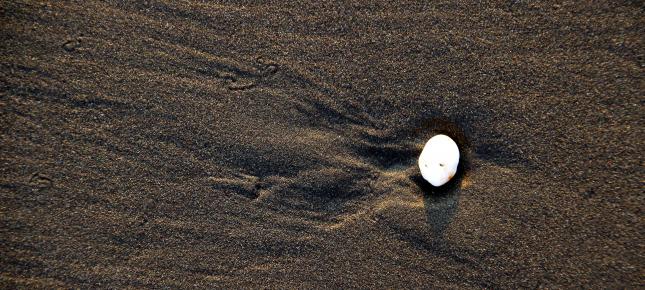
231 144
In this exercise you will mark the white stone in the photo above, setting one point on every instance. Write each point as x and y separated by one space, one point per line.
439 160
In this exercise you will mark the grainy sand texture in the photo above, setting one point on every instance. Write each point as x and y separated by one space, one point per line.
258 144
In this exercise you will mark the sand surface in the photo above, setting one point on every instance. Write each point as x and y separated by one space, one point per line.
240 144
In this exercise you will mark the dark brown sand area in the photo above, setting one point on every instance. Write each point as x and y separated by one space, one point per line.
240 144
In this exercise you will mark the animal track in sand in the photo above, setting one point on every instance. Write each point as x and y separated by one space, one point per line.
40 181
232 72
244 80
72 44
245 185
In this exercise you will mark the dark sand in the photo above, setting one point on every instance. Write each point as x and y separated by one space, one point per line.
190 144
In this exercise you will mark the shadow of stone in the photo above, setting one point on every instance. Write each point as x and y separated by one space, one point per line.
441 204
440 211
